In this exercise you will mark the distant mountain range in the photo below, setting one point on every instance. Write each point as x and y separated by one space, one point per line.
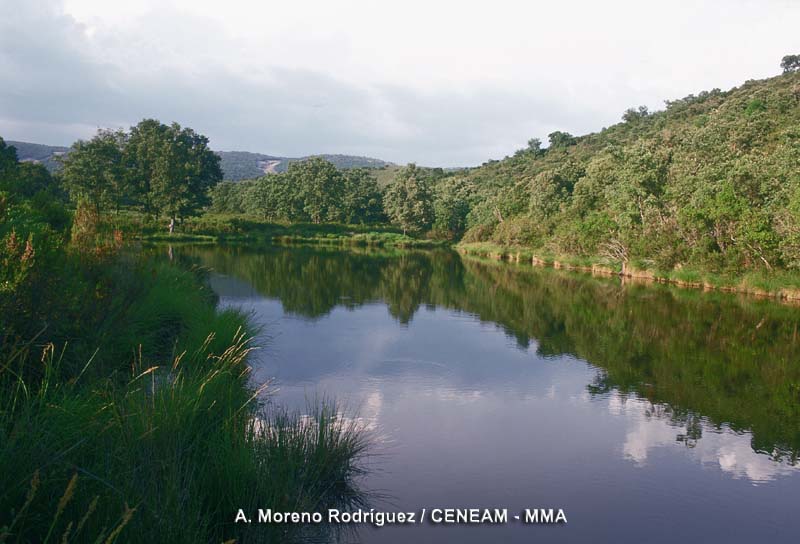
44 154
236 165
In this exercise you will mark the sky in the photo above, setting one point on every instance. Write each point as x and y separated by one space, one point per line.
436 82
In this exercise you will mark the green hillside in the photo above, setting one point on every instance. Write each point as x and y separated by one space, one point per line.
712 181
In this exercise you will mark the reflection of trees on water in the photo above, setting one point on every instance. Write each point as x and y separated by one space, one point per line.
735 361
405 285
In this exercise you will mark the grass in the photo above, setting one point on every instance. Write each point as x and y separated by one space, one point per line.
363 239
231 228
160 435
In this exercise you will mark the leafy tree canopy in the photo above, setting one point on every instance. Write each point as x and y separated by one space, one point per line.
408 201
790 63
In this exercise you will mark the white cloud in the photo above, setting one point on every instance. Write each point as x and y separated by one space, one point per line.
447 82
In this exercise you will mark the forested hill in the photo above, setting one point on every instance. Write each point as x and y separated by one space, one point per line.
239 165
236 165
44 154
712 180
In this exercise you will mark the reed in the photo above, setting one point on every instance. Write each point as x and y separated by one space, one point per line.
160 435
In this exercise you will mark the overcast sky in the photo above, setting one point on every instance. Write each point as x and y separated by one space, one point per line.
437 82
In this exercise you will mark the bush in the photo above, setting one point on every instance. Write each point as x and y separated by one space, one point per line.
517 231
479 233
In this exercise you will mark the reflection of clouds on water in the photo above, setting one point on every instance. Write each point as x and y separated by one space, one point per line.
651 427
615 404
377 342
370 411
456 395
739 459
366 417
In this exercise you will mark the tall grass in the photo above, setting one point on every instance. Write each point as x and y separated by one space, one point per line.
160 436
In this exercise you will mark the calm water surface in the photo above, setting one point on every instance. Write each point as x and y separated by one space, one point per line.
648 414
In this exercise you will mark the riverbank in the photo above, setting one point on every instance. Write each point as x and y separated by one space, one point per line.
130 415
215 228
780 285
236 228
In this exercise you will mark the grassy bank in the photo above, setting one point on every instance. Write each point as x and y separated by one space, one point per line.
782 285
230 228
130 416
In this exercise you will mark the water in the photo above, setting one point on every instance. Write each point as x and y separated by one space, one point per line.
648 414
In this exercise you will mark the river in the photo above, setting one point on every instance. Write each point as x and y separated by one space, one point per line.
647 413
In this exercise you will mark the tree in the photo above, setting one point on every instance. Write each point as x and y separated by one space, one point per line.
8 159
23 179
94 170
451 206
636 196
535 146
790 63
172 167
269 198
635 114
144 146
561 139
534 149
361 199
408 201
549 192
226 197
320 188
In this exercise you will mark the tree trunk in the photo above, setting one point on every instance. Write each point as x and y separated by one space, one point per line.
171 225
